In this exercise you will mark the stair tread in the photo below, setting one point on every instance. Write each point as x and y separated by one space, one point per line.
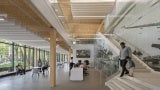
141 70
136 84
153 81
151 78
114 87
133 87
148 80
126 87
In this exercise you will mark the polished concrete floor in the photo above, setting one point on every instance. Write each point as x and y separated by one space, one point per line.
94 81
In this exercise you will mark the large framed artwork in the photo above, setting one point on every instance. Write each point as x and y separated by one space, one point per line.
82 53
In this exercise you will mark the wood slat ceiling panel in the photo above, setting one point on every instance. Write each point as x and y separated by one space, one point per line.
26 14
77 17
91 9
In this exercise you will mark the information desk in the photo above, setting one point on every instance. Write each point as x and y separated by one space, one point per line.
76 74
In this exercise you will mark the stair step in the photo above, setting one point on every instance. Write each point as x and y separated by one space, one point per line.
113 86
129 84
136 61
118 85
140 67
147 83
141 70
136 84
126 87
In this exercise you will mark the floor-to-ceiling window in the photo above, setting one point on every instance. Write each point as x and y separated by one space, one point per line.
31 57
18 55
12 53
6 65
42 58
47 56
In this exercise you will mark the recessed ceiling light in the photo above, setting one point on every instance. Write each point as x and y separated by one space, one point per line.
1 19
53 1
74 42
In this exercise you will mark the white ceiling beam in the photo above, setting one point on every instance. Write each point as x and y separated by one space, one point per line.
45 8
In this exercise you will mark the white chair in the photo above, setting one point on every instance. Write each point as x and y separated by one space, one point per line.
35 70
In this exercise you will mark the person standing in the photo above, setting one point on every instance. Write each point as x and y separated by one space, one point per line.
124 52
40 65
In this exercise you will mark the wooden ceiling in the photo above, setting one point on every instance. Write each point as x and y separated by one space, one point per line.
78 27
27 15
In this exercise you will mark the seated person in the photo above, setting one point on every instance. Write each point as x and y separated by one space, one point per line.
20 69
45 67
87 62
85 68
79 63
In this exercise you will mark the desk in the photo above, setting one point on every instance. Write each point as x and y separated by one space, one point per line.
76 74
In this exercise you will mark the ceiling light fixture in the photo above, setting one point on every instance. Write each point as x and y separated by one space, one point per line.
53 1
2 19
89 16
74 42
88 38
61 16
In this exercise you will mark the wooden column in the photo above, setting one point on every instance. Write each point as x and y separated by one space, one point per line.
52 58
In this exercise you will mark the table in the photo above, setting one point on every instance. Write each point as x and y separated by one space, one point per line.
76 74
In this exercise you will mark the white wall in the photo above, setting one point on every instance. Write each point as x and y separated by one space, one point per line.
84 47
144 13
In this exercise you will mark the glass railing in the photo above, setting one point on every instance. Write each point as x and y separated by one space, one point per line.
153 61
106 58
107 66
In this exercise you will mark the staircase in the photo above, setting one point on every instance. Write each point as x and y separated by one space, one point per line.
144 79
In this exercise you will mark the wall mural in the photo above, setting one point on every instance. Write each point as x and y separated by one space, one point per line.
82 53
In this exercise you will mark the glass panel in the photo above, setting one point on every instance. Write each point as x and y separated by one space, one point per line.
42 57
38 55
18 55
31 58
27 58
152 60
106 59
56 57
6 61
47 57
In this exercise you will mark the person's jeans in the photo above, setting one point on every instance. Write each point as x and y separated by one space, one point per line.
123 65
131 70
